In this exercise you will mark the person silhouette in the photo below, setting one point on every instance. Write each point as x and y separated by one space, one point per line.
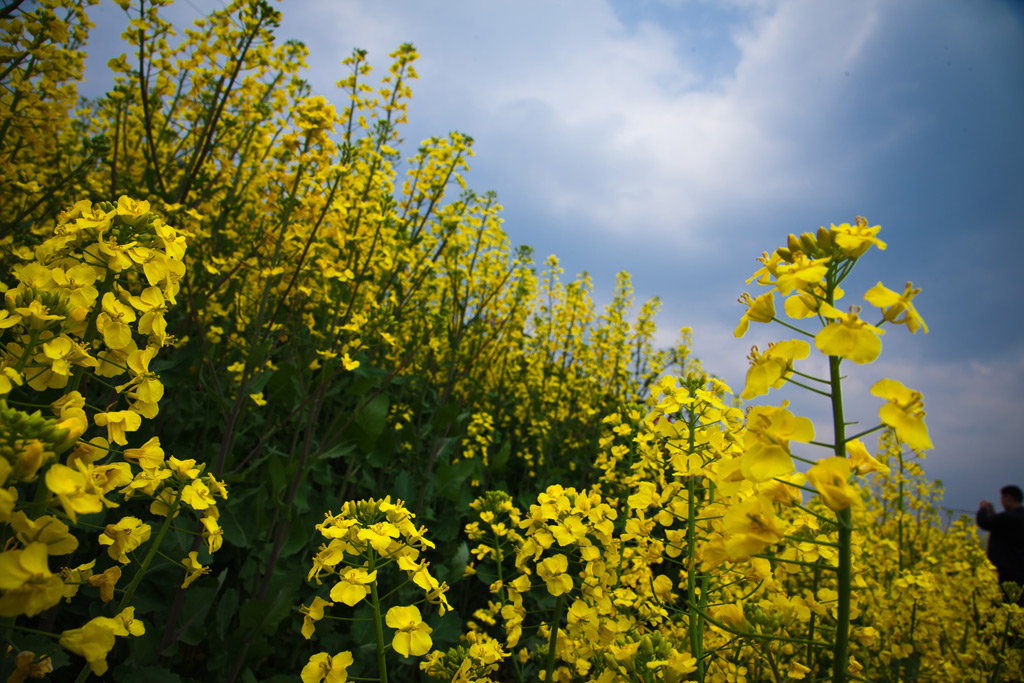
1006 535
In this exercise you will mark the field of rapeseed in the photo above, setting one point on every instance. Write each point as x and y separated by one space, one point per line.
279 401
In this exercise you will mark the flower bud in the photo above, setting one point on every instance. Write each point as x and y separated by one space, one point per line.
824 240
809 244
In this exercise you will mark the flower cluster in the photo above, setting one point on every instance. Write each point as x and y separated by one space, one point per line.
81 323
365 540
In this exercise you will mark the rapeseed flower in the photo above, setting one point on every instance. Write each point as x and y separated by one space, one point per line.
904 412
413 635
847 336
94 641
323 667
831 478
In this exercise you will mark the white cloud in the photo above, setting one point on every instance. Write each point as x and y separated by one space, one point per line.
612 124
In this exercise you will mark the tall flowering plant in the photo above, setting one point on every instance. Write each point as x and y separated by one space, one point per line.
365 541
808 272
83 319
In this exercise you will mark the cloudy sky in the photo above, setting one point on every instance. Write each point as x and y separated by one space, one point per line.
678 139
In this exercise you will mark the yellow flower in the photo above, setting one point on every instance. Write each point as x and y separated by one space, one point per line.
323 667
413 636
124 537
797 671
217 487
731 615
771 369
72 490
126 625
801 274
379 535
9 377
106 582
213 533
193 570
436 596
353 586
149 456
28 458
118 423
29 587
750 527
94 641
759 310
904 412
662 586
197 495
893 305
553 572
113 322
73 578
312 614
831 477
183 470
46 529
681 663
165 503
766 443
131 208
856 239
27 666
847 336
807 303
862 460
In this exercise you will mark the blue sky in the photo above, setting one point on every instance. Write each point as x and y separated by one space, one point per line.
678 139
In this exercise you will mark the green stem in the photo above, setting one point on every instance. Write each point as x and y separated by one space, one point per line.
556 617
865 432
899 513
91 330
499 558
808 388
840 651
792 327
696 627
154 547
382 665
27 353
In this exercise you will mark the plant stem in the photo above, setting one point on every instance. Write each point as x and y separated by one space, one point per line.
382 665
696 625
154 547
556 617
840 651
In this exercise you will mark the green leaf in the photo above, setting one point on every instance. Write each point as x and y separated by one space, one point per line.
500 458
338 450
299 534
374 417
265 615
446 630
452 570
278 475
451 478
226 609
403 486
196 605
234 532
